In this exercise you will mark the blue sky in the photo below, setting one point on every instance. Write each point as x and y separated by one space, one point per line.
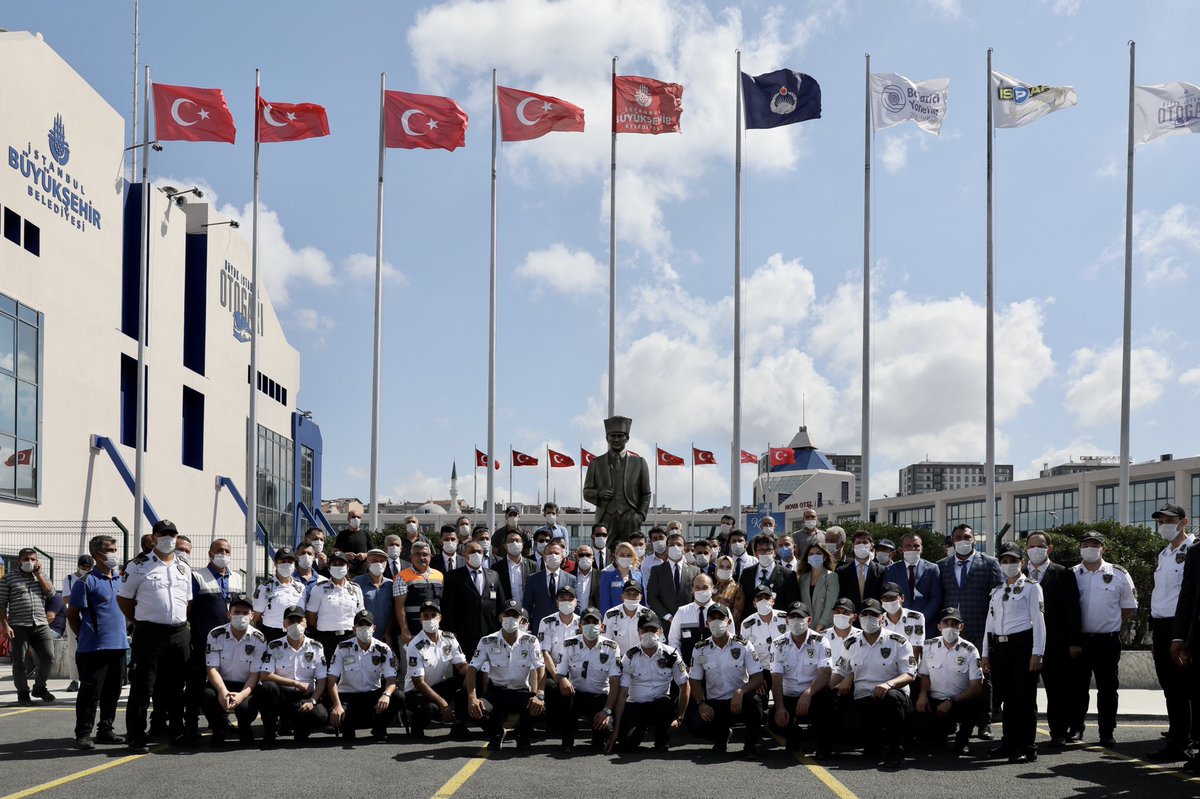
1059 220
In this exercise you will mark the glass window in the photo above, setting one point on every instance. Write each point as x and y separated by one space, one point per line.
8 342
275 503
26 461
8 466
8 404
1041 511
1195 511
917 518
1145 497
27 400
27 352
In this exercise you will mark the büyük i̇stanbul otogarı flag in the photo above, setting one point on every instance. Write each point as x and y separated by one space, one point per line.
895 99
645 105
778 98
1165 109
1015 103
525 115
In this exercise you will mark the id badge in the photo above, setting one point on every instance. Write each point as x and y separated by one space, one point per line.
492 594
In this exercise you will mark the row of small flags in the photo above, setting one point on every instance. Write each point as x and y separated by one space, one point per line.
779 456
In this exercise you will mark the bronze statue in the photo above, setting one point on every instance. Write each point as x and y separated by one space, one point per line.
618 484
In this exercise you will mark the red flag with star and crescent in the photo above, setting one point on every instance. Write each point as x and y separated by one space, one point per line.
521 459
667 459
185 113
749 457
423 122
22 457
481 460
585 457
702 457
559 460
290 121
525 115
781 456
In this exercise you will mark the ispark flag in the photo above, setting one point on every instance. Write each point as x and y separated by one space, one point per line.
778 98
895 99
1015 103
645 105
1165 109
525 115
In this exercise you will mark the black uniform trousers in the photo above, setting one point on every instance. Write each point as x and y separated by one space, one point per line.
1016 686
360 711
883 719
637 717
218 722
819 719
195 681
565 712
423 711
279 704
719 729
157 667
1102 658
1057 673
100 677
498 702
329 639
964 715
1177 683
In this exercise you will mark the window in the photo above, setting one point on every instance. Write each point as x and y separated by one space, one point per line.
1194 513
12 226
275 486
20 399
971 514
192 449
1041 511
307 461
33 238
918 518
129 402
195 301
1145 497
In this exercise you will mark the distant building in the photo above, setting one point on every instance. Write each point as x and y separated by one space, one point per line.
1086 463
852 464
928 476
812 481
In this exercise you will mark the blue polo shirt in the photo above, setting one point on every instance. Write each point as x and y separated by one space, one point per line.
379 601
101 622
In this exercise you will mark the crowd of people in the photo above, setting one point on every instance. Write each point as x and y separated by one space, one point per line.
831 643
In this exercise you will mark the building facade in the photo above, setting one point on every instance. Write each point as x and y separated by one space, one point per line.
928 476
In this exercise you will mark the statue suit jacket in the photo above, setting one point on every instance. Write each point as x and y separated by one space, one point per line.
635 490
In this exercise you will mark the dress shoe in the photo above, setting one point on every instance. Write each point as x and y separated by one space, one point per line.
524 745
1019 758
1058 742
109 738
73 687
894 759
43 694
84 742
1107 741
999 750
985 732
23 699
959 750
750 752
1167 754
496 741
138 747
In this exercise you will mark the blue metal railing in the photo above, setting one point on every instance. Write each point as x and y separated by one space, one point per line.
228 484
316 519
106 444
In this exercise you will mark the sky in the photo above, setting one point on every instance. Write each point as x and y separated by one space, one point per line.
1059 221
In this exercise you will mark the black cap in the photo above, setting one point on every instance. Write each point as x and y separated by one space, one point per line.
592 613
844 604
293 610
763 590
648 619
798 608
889 588
240 599
716 609
1092 534
511 510
338 556
871 606
1009 548
87 561
566 589
164 526
1169 511
364 616
950 613
511 605
284 552
885 543
430 604
633 585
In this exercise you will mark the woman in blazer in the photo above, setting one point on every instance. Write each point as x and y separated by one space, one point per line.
818 586
624 567
726 590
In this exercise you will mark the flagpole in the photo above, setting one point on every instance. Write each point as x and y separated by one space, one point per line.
547 474
1127 322
865 513
133 133
735 476
475 485
491 400
139 457
252 423
612 252
767 485
692 515
656 460
510 475
581 477
989 512
375 373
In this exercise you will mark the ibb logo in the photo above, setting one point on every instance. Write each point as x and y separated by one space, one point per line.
58 142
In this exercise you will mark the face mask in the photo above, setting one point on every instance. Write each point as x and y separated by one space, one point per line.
630 605
464 531
639 550
566 608
724 574
363 634
553 562
675 553
726 527
810 524
599 542
584 563
625 563
337 572
831 549
355 522
551 520
1010 570
394 552
523 626
165 544
1090 554
798 626
869 624
510 624
295 632
648 640
1168 531
179 553
816 561
487 546
702 597
785 553
912 557
305 562
412 527
841 621
660 546
318 545
285 570
964 548
862 551
892 606
763 607
950 635
591 631
221 561
689 558
514 547
111 562
717 627
765 560
27 566
239 623
769 531
511 523
430 626
702 560
475 560
449 547
540 546
883 558
1037 555
376 569
738 548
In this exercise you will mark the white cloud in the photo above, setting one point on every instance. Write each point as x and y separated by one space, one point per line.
1057 455
895 153
564 270
361 266
312 320
1163 244
1067 8
356 473
951 8
1094 395
1191 379
1108 168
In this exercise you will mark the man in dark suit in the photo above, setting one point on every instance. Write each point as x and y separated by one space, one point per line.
471 600
1185 637
671 581
861 578
768 572
618 484
541 589
513 568
587 576
448 559
919 579
1060 596
512 523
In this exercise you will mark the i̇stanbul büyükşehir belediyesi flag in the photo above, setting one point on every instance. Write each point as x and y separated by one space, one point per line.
645 105
1015 103
1165 109
778 98
895 99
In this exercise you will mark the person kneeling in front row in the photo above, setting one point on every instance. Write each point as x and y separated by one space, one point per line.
292 680
801 668
362 682
951 686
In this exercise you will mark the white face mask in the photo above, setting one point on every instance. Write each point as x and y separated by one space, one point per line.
475 560
364 634
179 553
584 564
883 558
510 624
111 561
950 635
702 597
221 561
798 626
295 632
464 531
625 563
239 622
540 546
430 626
553 562
964 548
28 566
648 640
702 560
337 572
1168 531
675 553
763 607
630 605
841 621
892 606
810 524
726 527
514 547
717 627
768 530
566 608
551 519
639 550
487 546
660 546
165 543
766 560
738 548
376 569
449 547
688 557
355 523
305 562
318 545
1010 570
1089 554
832 549
724 574
1037 555
412 527
912 557
599 542
869 624
591 631
394 551
511 522
862 551
285 570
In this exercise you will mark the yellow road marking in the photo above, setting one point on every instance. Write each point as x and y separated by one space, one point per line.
1183 775
820 772
451 785
17 712
78 775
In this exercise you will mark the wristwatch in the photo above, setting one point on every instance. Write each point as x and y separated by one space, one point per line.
608 711
541 697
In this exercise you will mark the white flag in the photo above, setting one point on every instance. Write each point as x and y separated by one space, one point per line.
1165 109
1015 103
896 99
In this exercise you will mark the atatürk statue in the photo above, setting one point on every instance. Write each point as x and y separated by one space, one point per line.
618 484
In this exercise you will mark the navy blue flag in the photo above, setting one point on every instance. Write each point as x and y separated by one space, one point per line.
780 98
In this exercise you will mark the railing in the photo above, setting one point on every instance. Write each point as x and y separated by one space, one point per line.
106 444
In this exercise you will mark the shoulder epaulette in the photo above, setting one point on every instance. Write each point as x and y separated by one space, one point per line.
140 559
571 642
1120 568
608 642
448 634
707 642
348 644
275 644
737 639
613 612
633 651
258 634
218 632
749 622
897 637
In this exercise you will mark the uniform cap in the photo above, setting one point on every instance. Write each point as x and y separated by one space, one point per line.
885 543
292 611
86 561
511 605
338 556
511 510
430 604
1009 548
889 589
718 610
240 599
844 604
647 619
798 609
1092 535
164 526
592 613
284 552
764 590
950 613
1169 511
566 589
364 616
632 585
871 606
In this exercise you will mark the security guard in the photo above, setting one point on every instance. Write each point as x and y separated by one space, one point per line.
725 677
513 663
154 595
951 684
766 625
621 622
801 667
1107 598
836 636
689 625
589 676
413 587
1168 577
552 631
362 682
1013 644
332 604
292 680
899 619
433 684
232 654
877 669
277 594
644 699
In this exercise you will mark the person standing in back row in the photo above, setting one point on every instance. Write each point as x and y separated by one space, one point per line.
23 595
1184 728
99 626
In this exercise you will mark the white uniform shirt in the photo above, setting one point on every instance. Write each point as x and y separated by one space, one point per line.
911 625
623 628
589 668
724 669
837 645
234 659
432 661
1167 578
1102 595
161 590
687 623
950 669
552 632
306 664
800 663
272 598
335 605
762 633
649 677
360 671
874 664
508 665
1016 608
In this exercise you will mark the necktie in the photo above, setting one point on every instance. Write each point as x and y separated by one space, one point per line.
477 576
450 563
599 560
764 577
912 581
962 572
553 585
676 569
737 572
862 581
1034 575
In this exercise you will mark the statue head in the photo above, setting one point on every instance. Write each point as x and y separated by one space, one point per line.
616 429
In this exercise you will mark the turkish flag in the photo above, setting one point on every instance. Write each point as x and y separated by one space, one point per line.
702 457
525 115
559 460
22 457
585 457
645 105
480 460
749 457
782 455
667 459
423 122
290 121
521 459
184 113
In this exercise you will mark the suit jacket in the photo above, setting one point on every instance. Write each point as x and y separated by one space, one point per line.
972 598
661 595
438 562
848 582
593 593
396 566
1187 611
467 613
1060 596
927 598
782 581
633 492
501 569
820 599
538 600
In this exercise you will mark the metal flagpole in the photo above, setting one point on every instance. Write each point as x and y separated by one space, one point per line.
989 476
767 485
252 424
612 253
547 473
692 514
475 484
1127 323
375 374
656 459
133 133
735 475
139 457
510 470
491 409
865 513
